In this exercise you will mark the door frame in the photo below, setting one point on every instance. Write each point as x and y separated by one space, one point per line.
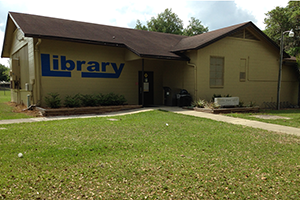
146 82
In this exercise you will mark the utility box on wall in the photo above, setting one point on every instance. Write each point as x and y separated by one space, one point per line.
28 87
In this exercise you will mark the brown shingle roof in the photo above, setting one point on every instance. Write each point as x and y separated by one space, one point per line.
205 39
198 41
143 43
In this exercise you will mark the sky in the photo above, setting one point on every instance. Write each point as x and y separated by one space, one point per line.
121 13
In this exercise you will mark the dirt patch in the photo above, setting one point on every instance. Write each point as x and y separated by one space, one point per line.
228 110
20 108
42 112
85 110
270 117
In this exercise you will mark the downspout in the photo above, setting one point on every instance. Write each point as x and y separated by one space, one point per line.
195 78
143 79
298 91
37 72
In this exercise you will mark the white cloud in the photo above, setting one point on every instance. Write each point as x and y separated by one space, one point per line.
125 13
259 8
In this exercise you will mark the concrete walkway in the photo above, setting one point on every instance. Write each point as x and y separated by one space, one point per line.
216 117
238 121
43 119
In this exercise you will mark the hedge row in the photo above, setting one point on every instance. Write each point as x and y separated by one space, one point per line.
78 100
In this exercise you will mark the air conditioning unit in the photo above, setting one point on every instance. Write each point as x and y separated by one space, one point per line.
28 86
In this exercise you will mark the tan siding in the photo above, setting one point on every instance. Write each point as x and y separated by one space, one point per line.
20 95
126 84
17 44
21 50
157 68
261 72
31 59
22 55
189 79
178 75
131 56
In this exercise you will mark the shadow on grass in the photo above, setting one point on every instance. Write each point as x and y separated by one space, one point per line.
269 111
162 110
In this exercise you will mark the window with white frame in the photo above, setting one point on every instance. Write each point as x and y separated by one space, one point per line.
216 71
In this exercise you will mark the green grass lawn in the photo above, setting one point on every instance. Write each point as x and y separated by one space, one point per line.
6 111
293 114
140 157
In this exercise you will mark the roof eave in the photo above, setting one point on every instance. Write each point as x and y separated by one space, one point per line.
11 25
104 43
164 57
231 32
215 39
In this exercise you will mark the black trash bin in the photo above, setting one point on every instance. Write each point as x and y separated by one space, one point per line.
184 98
167 96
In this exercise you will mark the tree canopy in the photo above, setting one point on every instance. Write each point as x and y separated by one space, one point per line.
284 19
4 73
194 28
169 22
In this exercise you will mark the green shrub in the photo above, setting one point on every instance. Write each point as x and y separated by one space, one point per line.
199 104
204 104
241 104
100 98
88 100
72 101
211 105
53 100
215 105
121 99
115 99
110 99
252 103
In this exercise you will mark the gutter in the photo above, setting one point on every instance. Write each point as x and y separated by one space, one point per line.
37 81
195 78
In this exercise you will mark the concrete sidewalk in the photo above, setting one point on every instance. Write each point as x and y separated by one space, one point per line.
238 121
42 119
216 117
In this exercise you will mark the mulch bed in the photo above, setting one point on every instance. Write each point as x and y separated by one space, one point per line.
46 112
229 110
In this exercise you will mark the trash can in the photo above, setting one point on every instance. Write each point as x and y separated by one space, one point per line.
167 96
184 98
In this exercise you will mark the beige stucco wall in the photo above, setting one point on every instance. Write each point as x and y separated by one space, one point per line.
261 72
126 84
178 75
175 74
22 51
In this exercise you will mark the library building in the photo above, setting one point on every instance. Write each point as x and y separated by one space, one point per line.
51 55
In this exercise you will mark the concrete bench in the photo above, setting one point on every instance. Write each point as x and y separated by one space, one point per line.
227 101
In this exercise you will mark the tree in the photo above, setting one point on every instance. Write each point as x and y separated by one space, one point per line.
284 19
169 22
140 26
166 22
4 73
194 28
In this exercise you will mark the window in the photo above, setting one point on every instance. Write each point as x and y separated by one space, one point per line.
242 69
216 71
